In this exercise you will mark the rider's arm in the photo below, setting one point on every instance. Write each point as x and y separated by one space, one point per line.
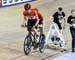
40 17
25 19
37 21
37 17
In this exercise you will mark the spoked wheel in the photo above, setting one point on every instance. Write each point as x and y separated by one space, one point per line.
41 43
27 45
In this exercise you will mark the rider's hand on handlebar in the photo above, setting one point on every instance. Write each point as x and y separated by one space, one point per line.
23 25
35 26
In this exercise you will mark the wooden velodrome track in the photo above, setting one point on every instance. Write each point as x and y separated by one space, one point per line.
12 35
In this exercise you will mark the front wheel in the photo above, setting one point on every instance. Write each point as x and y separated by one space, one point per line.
27 45
41 43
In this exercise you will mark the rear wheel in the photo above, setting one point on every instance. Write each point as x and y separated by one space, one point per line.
27 45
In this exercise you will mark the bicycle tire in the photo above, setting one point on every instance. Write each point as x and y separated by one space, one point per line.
41 43
27 45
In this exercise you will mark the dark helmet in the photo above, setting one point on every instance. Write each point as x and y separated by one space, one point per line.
27 6
60 9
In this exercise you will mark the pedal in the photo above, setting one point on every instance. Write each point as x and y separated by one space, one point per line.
35 46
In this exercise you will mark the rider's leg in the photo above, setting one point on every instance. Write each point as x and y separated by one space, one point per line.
29 26
41 28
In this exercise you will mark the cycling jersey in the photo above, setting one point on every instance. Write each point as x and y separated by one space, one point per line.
31 15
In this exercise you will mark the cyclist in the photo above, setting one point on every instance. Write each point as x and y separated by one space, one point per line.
31 18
